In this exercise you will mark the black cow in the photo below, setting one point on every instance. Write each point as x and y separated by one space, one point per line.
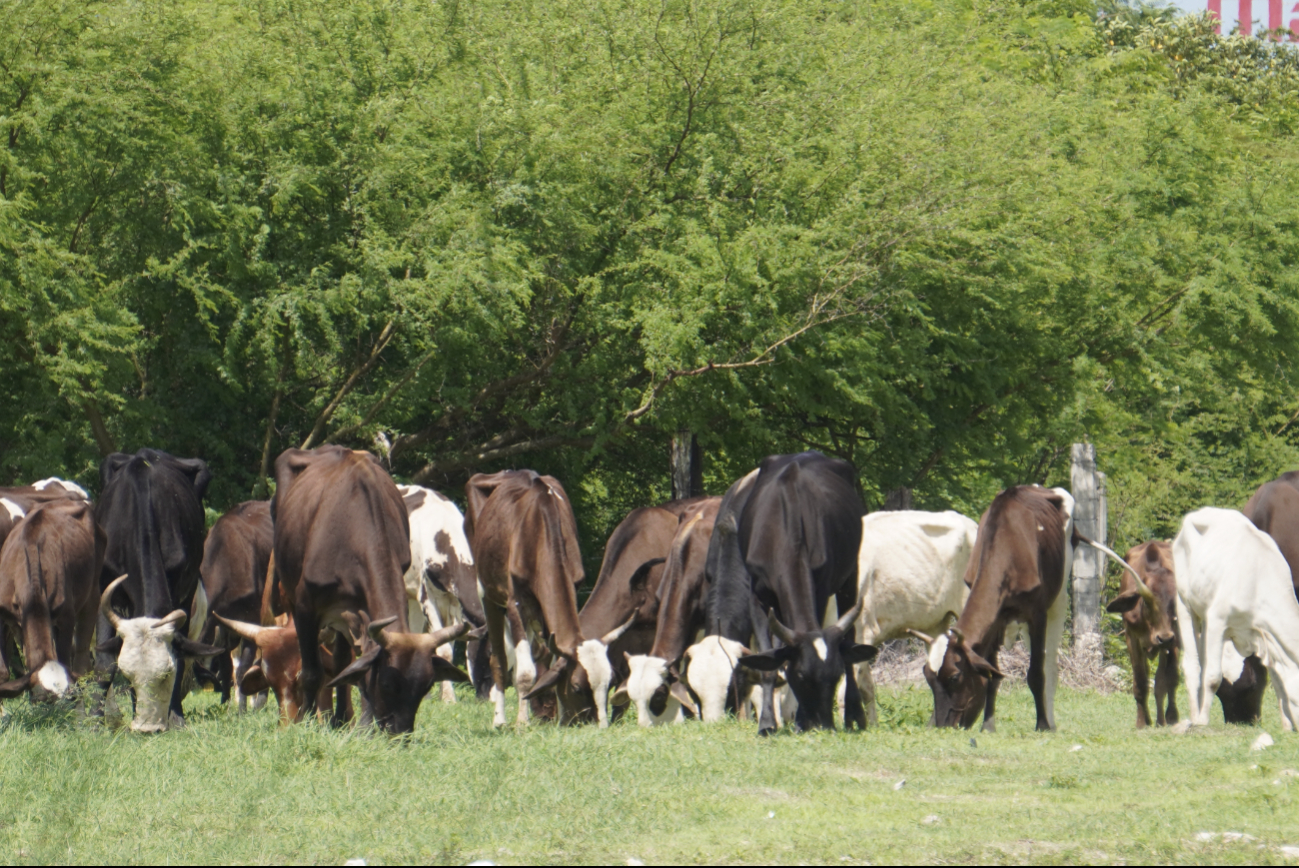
797 532
151 512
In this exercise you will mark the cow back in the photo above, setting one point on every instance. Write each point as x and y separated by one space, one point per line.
51 560
683 590
235 560
342 536
151 510
1274 509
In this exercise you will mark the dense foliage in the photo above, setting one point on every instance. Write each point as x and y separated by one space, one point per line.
940 240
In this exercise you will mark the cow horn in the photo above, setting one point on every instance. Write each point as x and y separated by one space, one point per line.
175 616
788 636
616 633
106 601
923 637
375 629
841 626
1142 588
448 634
955 633
242 628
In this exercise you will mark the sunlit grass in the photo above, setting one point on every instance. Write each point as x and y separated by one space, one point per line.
239 789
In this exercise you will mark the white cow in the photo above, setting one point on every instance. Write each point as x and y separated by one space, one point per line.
1233 584
911 570
441 568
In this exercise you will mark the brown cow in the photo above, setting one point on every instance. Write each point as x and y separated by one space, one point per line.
49 572
654 680
524 538
626 591
278 667
1023 553
235 561
342 545
1150 625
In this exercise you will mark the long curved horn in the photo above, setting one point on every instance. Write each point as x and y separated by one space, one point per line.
1142 588
242 629
448 634
928 640
176 616
788 636
106 601
956 634
616 633
841 626
375 629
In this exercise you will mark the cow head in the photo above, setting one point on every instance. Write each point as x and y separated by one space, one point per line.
710 670
1148 609
655 688
582 682
958 677
396 671
151 656
279 665
814 662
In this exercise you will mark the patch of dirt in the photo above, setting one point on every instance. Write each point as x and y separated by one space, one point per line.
902 662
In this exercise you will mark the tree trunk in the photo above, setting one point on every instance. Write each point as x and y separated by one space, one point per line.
687 466
897 499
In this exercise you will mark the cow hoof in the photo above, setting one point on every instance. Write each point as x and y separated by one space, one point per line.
1182 728
991 726
766 731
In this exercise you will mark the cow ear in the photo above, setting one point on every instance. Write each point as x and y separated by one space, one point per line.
681 694
769 661
189 648
109 469
620 696
196 470
354 673
860 654
1124 602
444 671
641 576
254 681
110 646
982 666
17 687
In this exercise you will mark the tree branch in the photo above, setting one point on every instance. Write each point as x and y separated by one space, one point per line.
378 405
323 419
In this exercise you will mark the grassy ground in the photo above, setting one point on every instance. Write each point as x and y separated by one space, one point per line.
238 789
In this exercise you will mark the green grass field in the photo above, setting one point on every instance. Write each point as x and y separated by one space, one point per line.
239 789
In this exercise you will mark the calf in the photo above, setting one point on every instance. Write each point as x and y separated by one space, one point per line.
1148 605
1233 583
911 570
278 666
342 546
236 557
654 680
798 532
442 582
524 538
49 569
1024 551
151 512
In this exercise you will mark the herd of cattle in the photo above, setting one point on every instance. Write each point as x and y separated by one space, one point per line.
772 598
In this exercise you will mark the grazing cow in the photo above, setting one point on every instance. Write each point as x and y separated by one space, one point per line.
1149 610
49 573
1244 681
1023 552
798 533
442 582
654 680
1233 583
911 573
1274 509
625 597
235 561
524 537
342 546
151 511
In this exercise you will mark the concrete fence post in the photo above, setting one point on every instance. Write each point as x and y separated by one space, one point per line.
1090 515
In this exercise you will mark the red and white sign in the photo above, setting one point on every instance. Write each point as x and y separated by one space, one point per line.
1251 16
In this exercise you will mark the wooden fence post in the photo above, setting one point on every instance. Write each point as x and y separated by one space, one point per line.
1090 515
687 466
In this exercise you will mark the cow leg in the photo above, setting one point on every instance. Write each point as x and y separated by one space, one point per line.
866 681
82 655
1141 684
1167 676
496 638
343 692
1189 627
176 718
854 715
105 663
525 668
1278 684
1037 670
1055 618
989 703
439 617
247 652
223 670
304 617
1213 637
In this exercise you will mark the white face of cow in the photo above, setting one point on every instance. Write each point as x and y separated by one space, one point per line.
149 663
648 676
712 665
593 655
51 681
